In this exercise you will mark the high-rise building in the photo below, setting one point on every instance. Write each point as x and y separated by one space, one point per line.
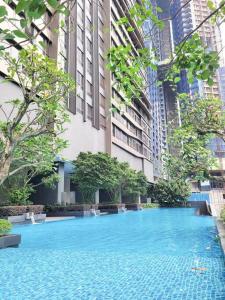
80 49
164 105
189 15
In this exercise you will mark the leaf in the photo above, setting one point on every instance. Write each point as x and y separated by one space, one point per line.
53 3
23 23
21 6
3 11
20 34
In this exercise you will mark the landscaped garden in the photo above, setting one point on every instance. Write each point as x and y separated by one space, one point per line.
139 239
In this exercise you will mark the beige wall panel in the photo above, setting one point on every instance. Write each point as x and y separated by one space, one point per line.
82 137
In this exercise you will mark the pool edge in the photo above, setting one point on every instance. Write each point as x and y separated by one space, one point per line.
221 230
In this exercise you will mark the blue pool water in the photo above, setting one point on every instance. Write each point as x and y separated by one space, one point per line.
147 255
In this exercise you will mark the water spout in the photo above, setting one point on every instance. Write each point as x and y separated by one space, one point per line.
123 209
93 212
30 216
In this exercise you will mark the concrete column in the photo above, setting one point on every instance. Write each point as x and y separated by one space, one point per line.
97 197
61 182
139 199
120 196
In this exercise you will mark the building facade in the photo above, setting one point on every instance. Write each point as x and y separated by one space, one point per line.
80 48
163 100
189 15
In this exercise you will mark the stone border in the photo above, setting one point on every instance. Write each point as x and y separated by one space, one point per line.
221 230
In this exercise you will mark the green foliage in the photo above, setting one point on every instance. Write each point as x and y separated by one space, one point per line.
5 227
201 120
134 183
150 205
28 12
169 192
218 17
194 57
93 172
205 116
29 140
127 68
101 171
20 195
222 215
139 13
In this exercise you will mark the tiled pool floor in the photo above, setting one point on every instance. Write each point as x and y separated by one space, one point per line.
159 254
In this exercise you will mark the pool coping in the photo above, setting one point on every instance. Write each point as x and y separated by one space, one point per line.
221 230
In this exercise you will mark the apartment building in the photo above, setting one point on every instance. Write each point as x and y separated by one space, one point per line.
80 48
93 128
189 16
164 105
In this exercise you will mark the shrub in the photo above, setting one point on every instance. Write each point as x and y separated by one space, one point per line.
6 211
5 227
75 207
20 195
171 192
150 205
223 215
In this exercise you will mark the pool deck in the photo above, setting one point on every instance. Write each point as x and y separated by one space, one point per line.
221 230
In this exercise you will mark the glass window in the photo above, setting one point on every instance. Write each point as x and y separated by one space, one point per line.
89 88
80 105
80 80
80 56
89 112
89 66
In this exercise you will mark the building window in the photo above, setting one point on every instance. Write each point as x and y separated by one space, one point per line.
80 15
89 66
89 46
80 57
90 112
89 88
101 61
102 122
102 81
102 101
101 44
80 34
80 80
80 105
89 26
89 7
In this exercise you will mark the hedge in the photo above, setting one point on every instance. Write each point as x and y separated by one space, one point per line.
61 208
223 215
7 211
5 227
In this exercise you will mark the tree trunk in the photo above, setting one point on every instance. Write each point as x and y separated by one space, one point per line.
4 169
5 162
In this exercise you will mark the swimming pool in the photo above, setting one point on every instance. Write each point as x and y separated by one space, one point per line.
155 254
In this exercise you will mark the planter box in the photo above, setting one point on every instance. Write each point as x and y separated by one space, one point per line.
134 206
11 240
111 208
22 218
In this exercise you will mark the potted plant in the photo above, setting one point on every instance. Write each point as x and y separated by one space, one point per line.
7 239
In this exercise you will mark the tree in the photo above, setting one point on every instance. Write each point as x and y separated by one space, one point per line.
101 171
201 120
94 172
30 127
28 12
169 192
135 183
205 116
191 54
